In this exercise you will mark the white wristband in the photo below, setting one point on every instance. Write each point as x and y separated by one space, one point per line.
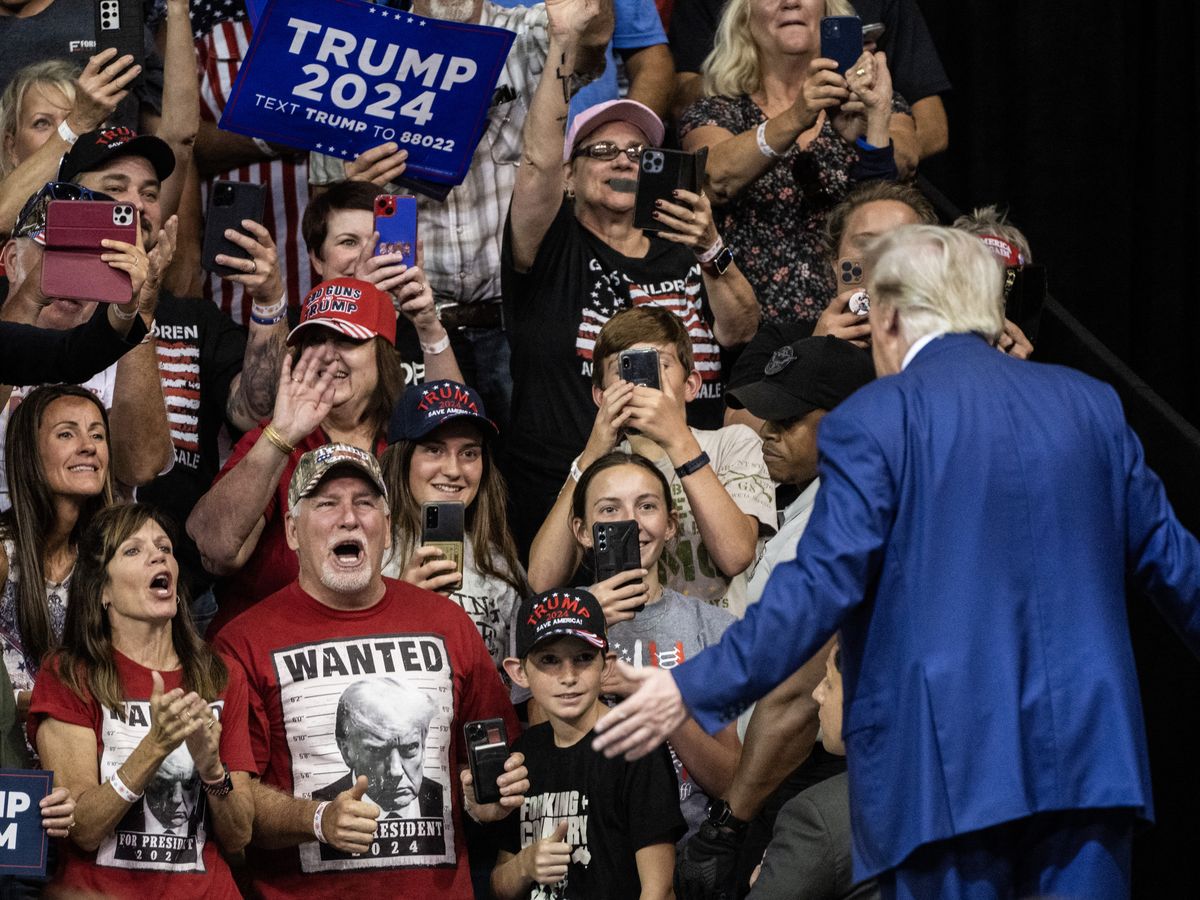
763 147
126 317
576 472
712 252
317 816
122 789
270 312
266 149
65 132
436 346
149 335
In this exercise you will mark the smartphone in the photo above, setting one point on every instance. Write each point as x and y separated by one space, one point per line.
396 222
640 367
231 201
617 550
842 40
119 24
487 749
442 527
71 267
660 172
850 274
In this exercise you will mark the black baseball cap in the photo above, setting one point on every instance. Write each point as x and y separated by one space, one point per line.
427 406
812 373
95 148
565 612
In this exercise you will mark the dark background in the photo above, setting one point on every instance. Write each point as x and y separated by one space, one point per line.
1080 117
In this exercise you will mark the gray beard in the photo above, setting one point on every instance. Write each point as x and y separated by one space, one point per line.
346 582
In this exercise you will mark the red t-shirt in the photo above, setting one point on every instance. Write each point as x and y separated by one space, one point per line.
163 847
273 564
415 658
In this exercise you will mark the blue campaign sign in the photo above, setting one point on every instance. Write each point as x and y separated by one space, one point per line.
254 9
23 841
342 76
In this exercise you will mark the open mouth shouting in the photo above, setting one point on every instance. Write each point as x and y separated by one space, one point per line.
161 586
349 553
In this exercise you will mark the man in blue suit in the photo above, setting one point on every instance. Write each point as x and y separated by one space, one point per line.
975 524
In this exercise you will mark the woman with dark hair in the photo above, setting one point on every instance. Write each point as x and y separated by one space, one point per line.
339 385
143 723
441 450
59 478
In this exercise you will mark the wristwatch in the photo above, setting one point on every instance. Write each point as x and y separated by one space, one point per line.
720 815
720 263
218 788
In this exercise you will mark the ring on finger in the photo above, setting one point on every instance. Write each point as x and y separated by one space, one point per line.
254 267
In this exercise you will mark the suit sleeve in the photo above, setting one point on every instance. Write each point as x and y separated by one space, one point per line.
800 862
1162 556
45 356
807 598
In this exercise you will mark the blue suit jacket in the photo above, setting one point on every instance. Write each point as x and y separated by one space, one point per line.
976 520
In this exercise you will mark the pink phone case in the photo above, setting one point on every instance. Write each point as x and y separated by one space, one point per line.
72 267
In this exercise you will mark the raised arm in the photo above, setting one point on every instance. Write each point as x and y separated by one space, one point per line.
579 32
181 96
227 521
98 90
735 160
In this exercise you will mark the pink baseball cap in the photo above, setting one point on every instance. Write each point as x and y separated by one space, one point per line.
636 114
356 308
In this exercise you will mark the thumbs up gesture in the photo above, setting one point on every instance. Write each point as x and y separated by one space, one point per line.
349 821
546 860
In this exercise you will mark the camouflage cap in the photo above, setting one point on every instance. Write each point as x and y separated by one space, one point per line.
316 464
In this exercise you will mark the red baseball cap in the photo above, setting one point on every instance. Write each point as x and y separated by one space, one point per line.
354 308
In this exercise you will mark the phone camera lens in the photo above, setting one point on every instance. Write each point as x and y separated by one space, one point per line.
431 518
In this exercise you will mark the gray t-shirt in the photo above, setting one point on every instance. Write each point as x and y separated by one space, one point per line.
664 634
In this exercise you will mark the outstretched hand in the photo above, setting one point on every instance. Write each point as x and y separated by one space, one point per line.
638 724
305 394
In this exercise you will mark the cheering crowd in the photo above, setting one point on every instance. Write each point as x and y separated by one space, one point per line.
868 638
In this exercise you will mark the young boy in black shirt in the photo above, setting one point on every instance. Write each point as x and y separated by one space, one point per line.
590 827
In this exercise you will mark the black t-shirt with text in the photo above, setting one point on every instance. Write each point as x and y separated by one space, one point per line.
612 809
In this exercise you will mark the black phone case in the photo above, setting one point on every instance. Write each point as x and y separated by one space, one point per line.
842 40
119 24
487 750
447 533
1024 298
640 367
396 222
660 172
229 203
616 546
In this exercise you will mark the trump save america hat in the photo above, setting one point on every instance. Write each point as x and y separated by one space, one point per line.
566 612
427 406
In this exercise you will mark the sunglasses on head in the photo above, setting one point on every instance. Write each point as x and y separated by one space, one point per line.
607 150
33 214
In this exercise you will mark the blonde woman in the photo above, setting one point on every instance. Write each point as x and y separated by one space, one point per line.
787 134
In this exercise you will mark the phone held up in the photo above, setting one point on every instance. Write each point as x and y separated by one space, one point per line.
660 172
851 275
842 40
640 366
442 527
396 222
231 202
71 267
487 749
617 549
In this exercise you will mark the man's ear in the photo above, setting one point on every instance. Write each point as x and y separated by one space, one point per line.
289 524
516 671
597 393
8 255
691 386
610 663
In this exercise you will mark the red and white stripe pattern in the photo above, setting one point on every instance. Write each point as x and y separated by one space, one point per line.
603 301
219 54
179 371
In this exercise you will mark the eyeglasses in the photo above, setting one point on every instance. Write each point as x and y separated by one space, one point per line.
607 150
32 218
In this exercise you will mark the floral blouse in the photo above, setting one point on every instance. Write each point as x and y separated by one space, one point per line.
776 225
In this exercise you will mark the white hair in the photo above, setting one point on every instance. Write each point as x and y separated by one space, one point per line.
937 279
